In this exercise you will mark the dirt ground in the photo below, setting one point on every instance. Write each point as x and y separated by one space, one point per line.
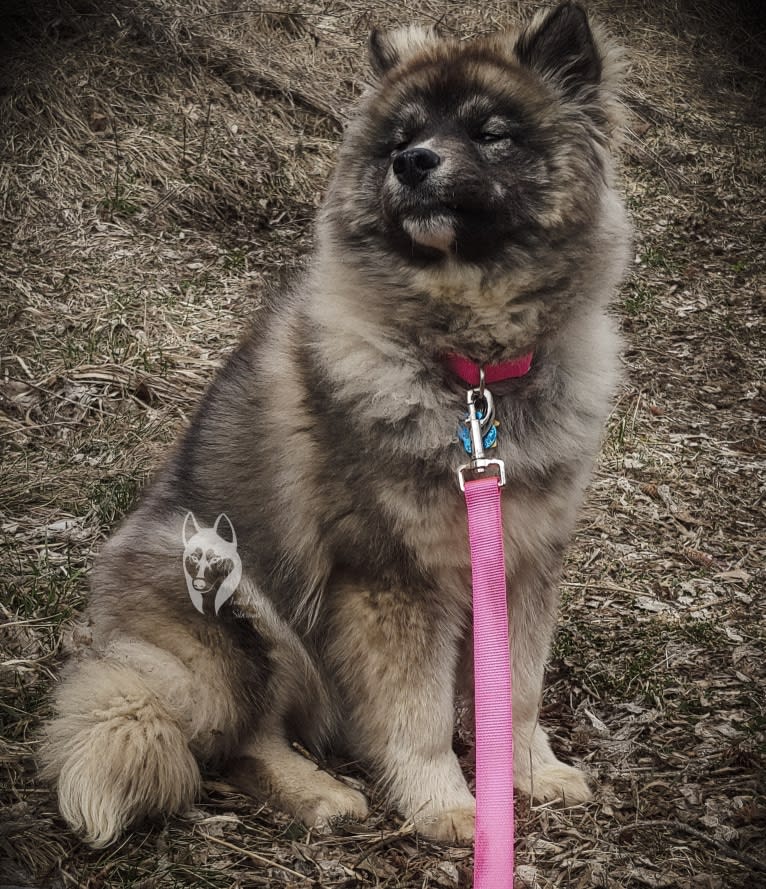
160 161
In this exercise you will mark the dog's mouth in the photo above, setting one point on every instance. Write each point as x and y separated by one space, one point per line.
436 231
200 585
431 227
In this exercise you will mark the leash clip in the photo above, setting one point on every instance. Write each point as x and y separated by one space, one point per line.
481 416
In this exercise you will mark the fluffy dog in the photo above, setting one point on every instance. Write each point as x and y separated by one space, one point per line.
472 212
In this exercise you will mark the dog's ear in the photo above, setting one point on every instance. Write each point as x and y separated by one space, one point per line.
232 532
388 49
187 535
559 44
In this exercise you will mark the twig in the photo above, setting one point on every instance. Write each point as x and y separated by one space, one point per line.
203 146
256 857
727 850
405 830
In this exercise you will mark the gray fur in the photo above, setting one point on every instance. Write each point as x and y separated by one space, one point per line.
328 439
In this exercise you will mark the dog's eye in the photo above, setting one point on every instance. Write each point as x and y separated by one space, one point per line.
497 128
485 137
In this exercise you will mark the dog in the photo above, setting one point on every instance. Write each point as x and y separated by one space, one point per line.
472 212
210 562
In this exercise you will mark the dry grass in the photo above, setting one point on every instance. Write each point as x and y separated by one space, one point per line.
161 162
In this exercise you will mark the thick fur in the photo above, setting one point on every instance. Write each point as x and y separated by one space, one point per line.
329 441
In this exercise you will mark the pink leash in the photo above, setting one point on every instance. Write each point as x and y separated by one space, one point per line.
481 480
493 858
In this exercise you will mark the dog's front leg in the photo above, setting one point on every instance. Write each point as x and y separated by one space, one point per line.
394 656
532 605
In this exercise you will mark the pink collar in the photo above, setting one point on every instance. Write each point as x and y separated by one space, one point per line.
468 370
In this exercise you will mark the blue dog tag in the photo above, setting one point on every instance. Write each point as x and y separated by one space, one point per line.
489 439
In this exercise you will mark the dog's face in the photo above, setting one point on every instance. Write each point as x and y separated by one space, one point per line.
210 561
466 149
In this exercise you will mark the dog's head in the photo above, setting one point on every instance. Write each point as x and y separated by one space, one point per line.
210 560
463 149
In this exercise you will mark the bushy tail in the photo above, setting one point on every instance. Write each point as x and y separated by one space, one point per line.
115 753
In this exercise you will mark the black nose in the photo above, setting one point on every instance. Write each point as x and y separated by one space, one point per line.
414 164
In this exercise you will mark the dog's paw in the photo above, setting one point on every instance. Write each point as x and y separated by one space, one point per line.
455 826
335 801
559 782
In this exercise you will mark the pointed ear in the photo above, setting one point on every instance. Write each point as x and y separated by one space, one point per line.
187 532
382 54
560 45
233 533
388 49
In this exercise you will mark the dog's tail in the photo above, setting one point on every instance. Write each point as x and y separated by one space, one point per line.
115 752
